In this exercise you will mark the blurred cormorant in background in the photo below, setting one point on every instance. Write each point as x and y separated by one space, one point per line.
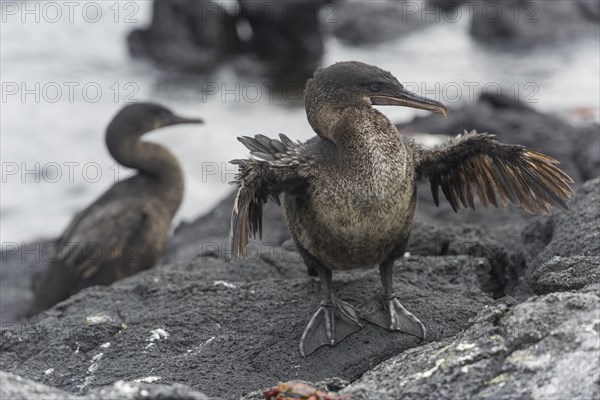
126 229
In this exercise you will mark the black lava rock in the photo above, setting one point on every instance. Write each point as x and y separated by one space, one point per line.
518 24
186 35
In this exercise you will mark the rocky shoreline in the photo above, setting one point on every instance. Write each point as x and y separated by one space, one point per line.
510 302
197 321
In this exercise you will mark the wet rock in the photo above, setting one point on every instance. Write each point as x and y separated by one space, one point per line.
199 323
16 388
524 23
187 35
280 40
286 37
546 347
362 23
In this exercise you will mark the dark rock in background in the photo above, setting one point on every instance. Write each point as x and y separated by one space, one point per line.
364 23
529 23
286 36
18 265
210 233
590 9
199 35
187 35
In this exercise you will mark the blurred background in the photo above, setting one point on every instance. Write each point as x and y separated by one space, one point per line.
68 67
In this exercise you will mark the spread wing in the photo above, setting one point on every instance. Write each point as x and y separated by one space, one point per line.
104 232
259 180
479 162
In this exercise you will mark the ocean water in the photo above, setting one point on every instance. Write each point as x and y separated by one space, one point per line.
65 76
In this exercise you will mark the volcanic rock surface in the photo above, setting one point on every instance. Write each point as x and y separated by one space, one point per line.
510 302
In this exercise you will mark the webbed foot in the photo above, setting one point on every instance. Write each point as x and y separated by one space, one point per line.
390 314
332 322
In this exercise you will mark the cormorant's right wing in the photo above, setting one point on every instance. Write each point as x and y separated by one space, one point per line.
512 172
258 180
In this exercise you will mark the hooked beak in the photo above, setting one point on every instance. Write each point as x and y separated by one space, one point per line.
407 99
176 119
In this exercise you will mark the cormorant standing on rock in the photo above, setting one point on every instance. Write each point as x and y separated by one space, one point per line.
350 193
125 230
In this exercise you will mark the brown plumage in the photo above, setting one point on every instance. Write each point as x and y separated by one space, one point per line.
350 192
482 162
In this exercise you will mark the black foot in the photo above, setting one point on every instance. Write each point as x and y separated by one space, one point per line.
330 324
390 314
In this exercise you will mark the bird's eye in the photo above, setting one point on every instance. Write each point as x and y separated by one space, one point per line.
375 87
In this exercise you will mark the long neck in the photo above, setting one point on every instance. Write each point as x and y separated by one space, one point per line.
371 149
363 132
153 161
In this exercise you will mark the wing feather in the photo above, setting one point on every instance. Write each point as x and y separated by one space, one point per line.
98 235
499 173
260 180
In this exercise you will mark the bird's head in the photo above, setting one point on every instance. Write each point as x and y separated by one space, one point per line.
355 84
140 118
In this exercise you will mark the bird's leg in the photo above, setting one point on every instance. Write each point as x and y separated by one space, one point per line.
386 311
333 321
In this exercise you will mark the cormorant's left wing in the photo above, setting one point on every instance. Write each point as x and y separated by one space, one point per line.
482 162
258 180
101 234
